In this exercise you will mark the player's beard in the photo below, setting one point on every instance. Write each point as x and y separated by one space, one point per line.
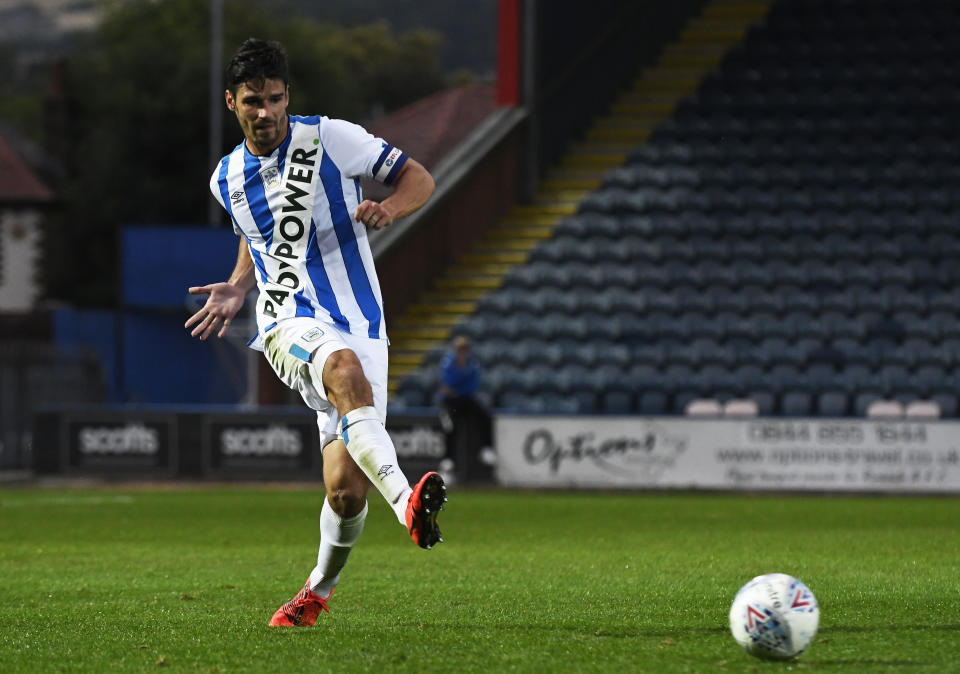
267 135
264 137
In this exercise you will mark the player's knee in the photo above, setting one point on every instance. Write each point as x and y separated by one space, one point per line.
346 500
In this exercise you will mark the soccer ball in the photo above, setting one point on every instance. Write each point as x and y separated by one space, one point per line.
774 617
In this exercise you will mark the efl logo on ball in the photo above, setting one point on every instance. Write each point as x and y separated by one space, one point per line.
774 617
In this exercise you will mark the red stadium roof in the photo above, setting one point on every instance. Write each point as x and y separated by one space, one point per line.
18 184
430 128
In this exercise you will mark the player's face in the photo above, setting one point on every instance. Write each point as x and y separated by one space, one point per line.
262 113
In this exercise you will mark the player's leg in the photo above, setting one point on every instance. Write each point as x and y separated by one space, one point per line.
359 390
329 367
362 428
341 518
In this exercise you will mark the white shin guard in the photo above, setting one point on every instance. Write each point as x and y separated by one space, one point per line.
371 448
337 538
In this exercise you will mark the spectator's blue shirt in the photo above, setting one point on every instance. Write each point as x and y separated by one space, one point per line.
463 380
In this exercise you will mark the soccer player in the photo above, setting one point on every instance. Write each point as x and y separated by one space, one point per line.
292 190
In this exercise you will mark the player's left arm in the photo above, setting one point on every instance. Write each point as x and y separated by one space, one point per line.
224 299
412 187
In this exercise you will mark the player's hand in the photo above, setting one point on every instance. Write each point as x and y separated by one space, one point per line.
223 302
373 215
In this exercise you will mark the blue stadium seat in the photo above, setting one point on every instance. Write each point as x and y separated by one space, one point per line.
930 379
766 401
760 299
948 404
682 398
839 325
944 324
653 402
833 404
798 299
617 402
915 325
796 403
725 299
862 400
409 397
553 403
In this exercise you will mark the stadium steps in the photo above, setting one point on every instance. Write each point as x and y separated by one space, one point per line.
427 324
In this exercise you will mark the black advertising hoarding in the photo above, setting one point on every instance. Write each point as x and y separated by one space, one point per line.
420 443
261 446
120 443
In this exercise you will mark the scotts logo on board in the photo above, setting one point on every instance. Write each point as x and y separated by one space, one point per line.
120 443
133 438
273 447
274 440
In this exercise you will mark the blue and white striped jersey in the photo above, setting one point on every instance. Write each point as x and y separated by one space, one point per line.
295 209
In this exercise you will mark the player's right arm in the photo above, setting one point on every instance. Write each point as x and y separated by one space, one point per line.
224 299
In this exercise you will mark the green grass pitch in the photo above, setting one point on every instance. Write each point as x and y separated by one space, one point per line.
185 579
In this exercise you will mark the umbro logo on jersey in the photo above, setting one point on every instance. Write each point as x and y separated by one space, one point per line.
237 197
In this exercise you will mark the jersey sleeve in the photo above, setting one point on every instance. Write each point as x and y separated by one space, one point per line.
359 153
218 187
215 186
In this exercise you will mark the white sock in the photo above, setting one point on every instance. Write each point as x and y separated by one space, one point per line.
370 446
337 538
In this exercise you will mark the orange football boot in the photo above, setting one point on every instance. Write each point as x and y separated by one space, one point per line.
424 506
302 610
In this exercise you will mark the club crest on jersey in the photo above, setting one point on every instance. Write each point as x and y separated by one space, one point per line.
270 177
312 335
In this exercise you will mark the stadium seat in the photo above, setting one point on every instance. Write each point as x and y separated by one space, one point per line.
741 407
765 400
553 403
922 409
682 397
617 402
409 397
703 407
833 404
885 409
653 402
947 402
571 376
795 403
933 377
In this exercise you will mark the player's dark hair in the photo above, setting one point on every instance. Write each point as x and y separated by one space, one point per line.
257 61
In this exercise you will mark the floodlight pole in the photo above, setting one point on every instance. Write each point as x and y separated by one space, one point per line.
214 213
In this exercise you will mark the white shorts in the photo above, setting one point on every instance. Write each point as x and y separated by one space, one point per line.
298 348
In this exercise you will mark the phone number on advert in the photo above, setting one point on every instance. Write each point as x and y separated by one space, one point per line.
836 433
